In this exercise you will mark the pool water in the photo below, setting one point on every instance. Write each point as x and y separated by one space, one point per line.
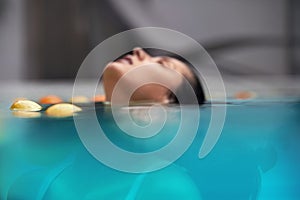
256 157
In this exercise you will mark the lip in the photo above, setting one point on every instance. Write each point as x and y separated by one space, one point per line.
125 60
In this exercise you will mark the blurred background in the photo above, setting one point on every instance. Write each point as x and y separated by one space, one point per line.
48 39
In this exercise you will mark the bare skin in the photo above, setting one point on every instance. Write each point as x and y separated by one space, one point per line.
165 68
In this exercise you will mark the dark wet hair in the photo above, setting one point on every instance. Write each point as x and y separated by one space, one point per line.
195 83
197 87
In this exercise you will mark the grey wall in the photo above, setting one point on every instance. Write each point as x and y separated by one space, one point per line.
12 35
208 19
211 21
29 49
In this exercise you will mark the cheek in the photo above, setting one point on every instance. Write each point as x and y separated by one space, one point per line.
153 92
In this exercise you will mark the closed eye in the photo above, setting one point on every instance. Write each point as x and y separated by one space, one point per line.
166 63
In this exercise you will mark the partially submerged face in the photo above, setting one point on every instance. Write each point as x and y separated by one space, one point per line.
161 67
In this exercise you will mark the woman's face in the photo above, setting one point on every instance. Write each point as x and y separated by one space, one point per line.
164 68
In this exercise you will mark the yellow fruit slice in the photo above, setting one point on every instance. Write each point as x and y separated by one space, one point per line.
62 110
25 105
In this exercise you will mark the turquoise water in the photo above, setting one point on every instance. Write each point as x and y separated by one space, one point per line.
256 157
